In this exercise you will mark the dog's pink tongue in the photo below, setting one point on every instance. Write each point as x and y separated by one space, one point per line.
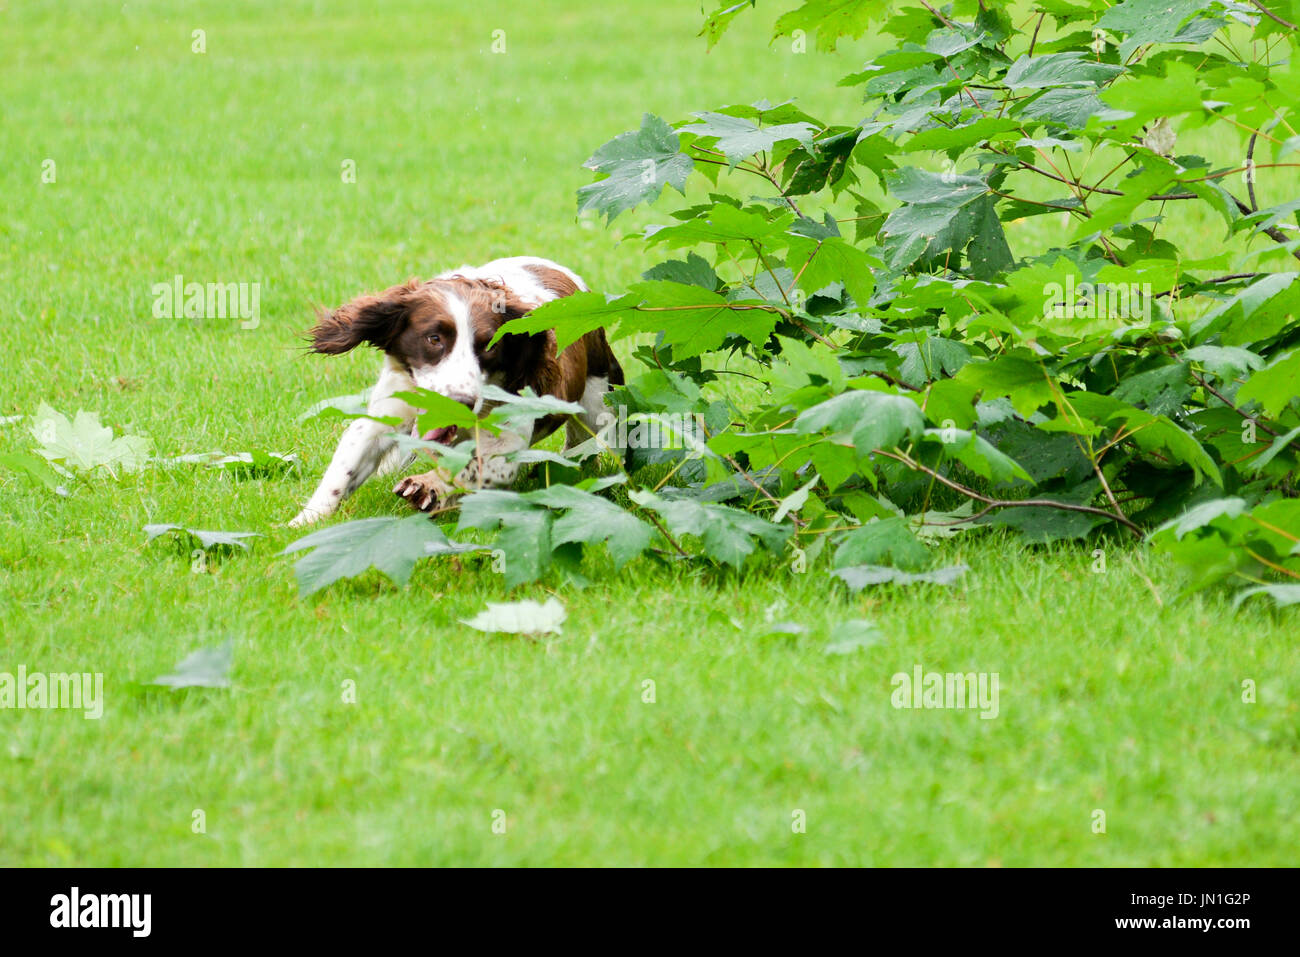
441 436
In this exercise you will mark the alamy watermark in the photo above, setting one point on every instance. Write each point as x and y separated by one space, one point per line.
660 430
81 691
129 911
1102 300
950 690
179 299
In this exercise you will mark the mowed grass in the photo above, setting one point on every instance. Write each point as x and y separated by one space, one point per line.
1115 695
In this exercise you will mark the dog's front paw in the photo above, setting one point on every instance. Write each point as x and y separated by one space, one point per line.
308 516
426 492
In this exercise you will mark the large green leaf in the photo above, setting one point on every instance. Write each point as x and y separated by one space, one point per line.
871 420
726 533
831 20
34 468
738 138
1276 386
525 536
1158 21
932 205
637 165
830 260
1059 69
977 454
887 541
695 320
1023 381
590 518
571 317
391 545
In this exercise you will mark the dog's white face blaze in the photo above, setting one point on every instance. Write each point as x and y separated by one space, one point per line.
458 374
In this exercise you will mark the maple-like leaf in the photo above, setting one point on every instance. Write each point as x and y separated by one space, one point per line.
391 545
83 443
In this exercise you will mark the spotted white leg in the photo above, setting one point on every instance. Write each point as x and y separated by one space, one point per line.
364 446
491 467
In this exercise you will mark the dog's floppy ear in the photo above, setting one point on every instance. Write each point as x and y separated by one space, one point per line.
525 359
377 319
505 302
531 361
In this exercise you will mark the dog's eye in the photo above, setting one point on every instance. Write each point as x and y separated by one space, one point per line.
435 339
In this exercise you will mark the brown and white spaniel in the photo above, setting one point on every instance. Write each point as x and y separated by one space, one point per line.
435 335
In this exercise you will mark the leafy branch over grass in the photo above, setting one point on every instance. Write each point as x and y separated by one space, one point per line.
907 357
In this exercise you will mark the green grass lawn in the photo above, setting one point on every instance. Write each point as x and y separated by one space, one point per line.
1116 695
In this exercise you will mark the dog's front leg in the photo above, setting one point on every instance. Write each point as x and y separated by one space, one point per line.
364 445
491 467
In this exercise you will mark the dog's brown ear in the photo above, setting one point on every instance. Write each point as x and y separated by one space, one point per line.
377 319
531 361
504 302
523 359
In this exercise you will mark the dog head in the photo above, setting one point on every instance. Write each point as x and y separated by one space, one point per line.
438 331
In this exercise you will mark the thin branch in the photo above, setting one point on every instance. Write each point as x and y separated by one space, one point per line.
758 488
1034 202
1273 565
757 171
1273 528
1238 169
1038 26
813 332
1272 16
1159 197
654 520
1271 232
758 251
937 15
1119 512
962 521
896 383
1115 168
767 174
1241 412
1205 282
1011 503
735 306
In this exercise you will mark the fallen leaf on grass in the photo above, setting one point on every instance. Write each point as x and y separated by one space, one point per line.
853 635
248 463
84 443
205 668
858 577
519 618
207 539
